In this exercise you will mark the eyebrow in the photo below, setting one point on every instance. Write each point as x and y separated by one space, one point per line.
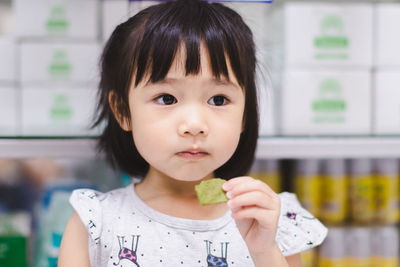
219 82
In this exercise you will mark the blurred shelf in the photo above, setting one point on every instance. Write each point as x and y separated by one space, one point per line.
328 147
268 147
51 147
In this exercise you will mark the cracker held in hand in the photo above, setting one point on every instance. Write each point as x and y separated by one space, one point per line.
210 192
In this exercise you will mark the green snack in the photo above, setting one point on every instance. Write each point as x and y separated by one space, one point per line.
210 192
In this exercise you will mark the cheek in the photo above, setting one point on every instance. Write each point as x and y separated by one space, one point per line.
228 136
148 136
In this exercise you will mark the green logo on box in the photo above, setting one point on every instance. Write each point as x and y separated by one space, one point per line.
57 22
60 68
331 43
329 105
61 110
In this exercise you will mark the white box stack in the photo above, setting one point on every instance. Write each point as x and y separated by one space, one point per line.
73 19
8 91
387 71
326 101
7 59
326 82
61 110
59 51
8 111
59 61
255 16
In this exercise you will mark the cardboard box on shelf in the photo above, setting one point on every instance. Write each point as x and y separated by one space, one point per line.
8 111
387 102
58 111
326 102
328 34
61 18
114 12
58 61
7 60
387 35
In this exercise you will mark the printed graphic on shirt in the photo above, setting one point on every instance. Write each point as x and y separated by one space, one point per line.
214 261
293 216
127 253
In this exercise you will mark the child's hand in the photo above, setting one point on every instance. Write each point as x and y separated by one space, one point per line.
256 209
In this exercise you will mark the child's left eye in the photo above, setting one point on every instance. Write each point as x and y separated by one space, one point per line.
218 100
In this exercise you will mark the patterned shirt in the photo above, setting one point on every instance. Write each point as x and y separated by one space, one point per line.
124 231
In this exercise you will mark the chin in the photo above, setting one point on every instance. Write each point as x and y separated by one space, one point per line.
190 177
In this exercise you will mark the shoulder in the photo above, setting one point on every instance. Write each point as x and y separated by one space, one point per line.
298 230
91 206
74 246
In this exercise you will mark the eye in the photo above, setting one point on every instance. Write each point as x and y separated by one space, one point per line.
218 100
165 99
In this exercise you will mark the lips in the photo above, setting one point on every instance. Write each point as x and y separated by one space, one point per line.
193 154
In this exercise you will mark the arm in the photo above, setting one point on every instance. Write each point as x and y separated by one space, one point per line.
256 210
74 250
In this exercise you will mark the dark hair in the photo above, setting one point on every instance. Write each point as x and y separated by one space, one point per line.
146 44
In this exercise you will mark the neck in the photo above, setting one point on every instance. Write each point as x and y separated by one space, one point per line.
156 184
176 198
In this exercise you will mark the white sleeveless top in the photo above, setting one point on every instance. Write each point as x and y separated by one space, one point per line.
125 231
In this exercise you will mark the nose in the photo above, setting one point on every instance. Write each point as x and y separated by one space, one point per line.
193 122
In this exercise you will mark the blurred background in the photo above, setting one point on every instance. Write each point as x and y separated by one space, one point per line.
329 85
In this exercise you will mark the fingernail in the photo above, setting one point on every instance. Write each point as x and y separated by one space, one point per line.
229 194
225 186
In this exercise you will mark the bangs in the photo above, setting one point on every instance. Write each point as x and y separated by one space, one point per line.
189 28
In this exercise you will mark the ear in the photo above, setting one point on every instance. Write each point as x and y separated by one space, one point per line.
123 123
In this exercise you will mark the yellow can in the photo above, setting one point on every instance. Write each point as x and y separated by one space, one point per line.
359 246
331 262
268 172
308 258
362 191
335 190
387 188
307 185
385 246
332 252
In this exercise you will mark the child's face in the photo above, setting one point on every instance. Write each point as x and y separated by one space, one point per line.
186 127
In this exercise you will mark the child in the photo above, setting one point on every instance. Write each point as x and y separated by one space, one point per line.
178 98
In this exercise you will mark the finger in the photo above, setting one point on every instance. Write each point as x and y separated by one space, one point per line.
265 218
247 185
254 198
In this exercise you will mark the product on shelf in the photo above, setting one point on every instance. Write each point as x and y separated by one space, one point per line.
362 191
358 246
326 102
385 246
387 188
308 258
63 18
387 20
52 214
387 100
8 111
332 251
334 191
7 62
307 184
14 237
328 34
268 172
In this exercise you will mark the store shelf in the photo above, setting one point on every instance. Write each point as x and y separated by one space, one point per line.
329 147
268 147
42 148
